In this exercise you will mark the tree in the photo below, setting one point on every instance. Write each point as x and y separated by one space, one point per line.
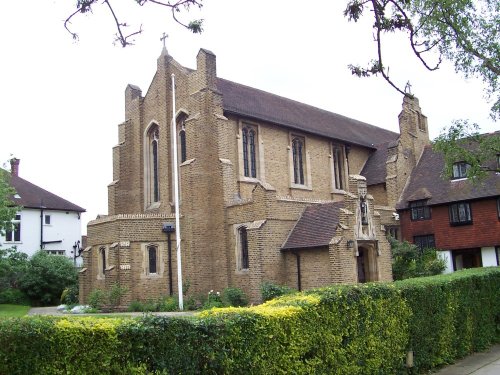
464 32
462 142
125 39
409 261
46 277
7 207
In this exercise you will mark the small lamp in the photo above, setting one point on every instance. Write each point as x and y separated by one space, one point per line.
350 243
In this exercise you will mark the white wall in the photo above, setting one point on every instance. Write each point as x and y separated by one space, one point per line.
446 255
489 257
65 226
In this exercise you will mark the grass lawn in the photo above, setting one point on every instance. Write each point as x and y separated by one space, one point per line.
8 311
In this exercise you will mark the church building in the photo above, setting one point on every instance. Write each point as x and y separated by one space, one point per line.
270 190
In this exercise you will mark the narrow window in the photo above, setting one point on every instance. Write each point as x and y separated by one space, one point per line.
249 143
14 233
424 242
364 211
182 137
460 170
102 255
460 213
47 219
152 255
338 166
298 160
420 210
152 165
243 242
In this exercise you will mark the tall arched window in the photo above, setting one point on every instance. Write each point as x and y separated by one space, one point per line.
152 165
249 140
298 152
243 247
338 153
152 257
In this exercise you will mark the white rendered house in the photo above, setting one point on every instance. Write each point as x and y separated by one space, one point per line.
46 221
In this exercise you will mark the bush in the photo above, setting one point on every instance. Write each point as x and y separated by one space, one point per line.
234 297
14 297
270 290
213 300
115 294
409 261
69 295
97 299
46 277
345 329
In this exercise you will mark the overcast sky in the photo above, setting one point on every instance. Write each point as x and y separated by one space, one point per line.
61 101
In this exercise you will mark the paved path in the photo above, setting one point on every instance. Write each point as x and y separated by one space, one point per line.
52 310
486 363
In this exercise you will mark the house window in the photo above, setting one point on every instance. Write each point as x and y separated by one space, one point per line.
47 220
14 234
460 213
152 257
55 252
460 170
338 153
298 153
420 210
249 143
152 165
424 242
243 261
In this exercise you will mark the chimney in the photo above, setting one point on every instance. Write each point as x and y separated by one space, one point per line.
14 167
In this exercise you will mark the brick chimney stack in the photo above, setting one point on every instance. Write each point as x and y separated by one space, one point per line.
14 167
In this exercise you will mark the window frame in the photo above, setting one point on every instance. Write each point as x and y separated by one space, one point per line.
425 239
454 209
152 249
152 195
459 170
249 147
339 167
298 145
47 220
14 234
242 249
102 261
420 210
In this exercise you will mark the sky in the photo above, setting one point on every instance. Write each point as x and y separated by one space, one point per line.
61 101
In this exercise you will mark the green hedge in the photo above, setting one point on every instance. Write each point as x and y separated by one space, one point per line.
363 329
453 315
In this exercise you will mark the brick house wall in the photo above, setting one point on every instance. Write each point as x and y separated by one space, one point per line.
484 230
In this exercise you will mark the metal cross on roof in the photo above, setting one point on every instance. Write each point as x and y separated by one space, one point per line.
408 88
163 39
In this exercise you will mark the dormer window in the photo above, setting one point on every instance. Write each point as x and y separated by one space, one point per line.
460 170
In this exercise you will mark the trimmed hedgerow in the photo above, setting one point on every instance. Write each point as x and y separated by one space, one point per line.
453 315
357 329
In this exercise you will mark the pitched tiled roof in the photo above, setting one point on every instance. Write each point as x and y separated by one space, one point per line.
426 182
316 227
32 196
257 104
375 170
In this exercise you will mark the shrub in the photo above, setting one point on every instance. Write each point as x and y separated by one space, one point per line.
234 297
115 294
97 299
270 290
213 300
46 277
69 295
409 261
14 297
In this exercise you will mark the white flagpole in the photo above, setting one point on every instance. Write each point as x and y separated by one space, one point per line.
176 199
